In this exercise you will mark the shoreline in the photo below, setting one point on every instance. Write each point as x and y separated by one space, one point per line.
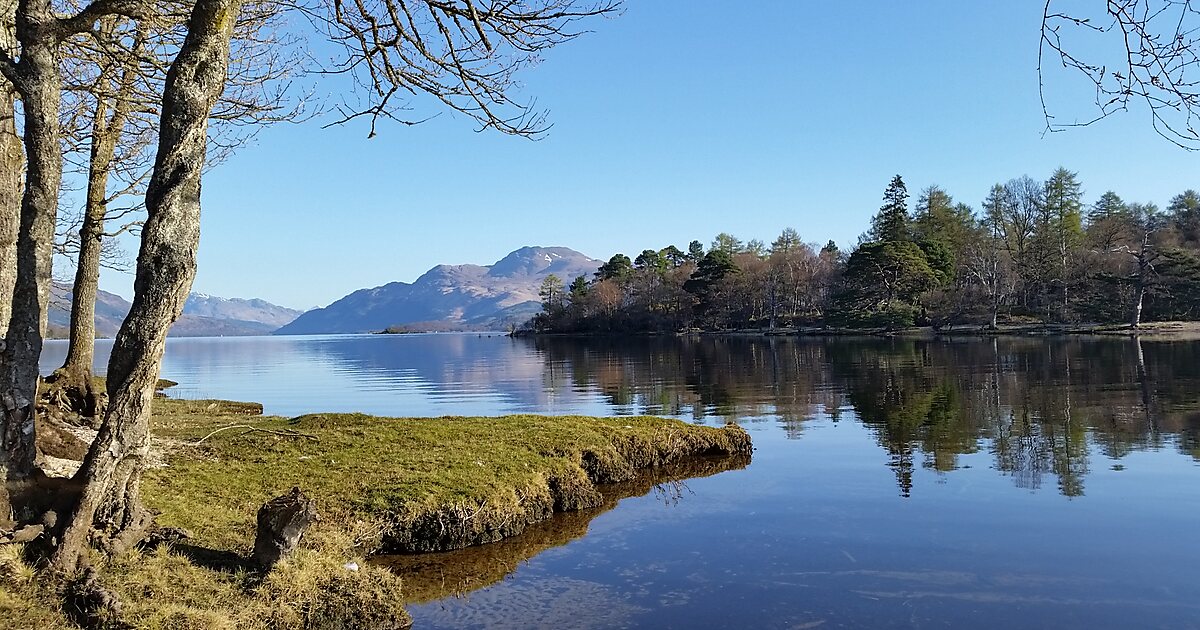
381 485
1153 331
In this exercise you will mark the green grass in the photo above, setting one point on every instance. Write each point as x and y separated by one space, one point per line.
381 484
404 484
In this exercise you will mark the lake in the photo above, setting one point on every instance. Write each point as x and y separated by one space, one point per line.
896 483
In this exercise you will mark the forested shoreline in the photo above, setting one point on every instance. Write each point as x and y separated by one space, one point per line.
1034 252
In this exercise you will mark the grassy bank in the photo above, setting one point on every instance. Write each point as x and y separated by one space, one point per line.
381 484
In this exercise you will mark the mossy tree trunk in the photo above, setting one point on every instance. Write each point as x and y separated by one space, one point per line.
12 170
36 77
109 512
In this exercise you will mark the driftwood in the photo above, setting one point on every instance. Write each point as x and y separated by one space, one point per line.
281 523
251 429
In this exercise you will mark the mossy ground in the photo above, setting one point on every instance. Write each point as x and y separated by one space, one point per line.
381 484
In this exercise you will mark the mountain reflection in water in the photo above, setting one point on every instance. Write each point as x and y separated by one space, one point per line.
982 483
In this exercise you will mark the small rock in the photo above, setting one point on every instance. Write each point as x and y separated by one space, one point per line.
27 533
351 566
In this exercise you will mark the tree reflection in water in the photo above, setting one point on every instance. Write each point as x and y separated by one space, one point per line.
1040 407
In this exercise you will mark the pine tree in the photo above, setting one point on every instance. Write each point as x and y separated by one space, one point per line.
1064 211
891 222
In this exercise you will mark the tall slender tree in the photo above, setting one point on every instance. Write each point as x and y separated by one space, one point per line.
891 223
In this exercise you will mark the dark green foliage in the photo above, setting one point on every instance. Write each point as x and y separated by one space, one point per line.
579 287
940 260
713 268
891 222
1185 214
884 280
1177 294
651 260
617 267
1109 206
673 256
695 251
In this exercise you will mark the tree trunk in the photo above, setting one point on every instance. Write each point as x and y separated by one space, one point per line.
75 376
1135 318
12 170
109 511
40 92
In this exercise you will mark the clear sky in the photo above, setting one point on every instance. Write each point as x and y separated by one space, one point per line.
673 122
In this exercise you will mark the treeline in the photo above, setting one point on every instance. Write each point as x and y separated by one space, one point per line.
1034 252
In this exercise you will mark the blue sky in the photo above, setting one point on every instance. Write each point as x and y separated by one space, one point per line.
675 121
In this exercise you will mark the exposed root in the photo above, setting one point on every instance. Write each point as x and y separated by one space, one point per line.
91 605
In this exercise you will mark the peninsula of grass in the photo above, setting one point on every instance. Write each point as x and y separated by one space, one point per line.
382 485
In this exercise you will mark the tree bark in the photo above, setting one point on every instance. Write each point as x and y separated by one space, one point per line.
40 86
109 511
12 170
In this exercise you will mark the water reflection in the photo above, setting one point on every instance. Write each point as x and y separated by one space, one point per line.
1039 407
433 576
1043 409
894 483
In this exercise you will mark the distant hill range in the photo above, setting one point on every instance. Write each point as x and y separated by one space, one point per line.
203 315
451 297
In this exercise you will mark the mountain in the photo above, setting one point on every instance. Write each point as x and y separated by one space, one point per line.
237 309
460 297
203 315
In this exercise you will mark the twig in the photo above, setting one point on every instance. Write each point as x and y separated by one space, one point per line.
251 429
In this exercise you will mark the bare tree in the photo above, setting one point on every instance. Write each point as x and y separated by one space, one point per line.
116 76
1135 51
1142 225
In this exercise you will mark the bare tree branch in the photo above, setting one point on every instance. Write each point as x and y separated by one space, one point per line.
1138 52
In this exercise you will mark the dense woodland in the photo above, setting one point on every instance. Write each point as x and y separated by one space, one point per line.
1033 252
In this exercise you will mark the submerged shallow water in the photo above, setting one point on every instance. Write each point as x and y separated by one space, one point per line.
976 483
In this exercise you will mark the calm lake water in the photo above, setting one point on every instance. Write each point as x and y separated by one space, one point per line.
983 484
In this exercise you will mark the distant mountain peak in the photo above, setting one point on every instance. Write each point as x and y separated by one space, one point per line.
452 296
203 315
534 260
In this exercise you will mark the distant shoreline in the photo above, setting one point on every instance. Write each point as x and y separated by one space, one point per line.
1155 331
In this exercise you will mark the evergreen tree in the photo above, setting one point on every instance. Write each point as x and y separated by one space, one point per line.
578 288
755 247
1108 206
695 251
618 267
673 256
891 222
1064 211
552 293
651 260
787 240
727 243
1185 216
